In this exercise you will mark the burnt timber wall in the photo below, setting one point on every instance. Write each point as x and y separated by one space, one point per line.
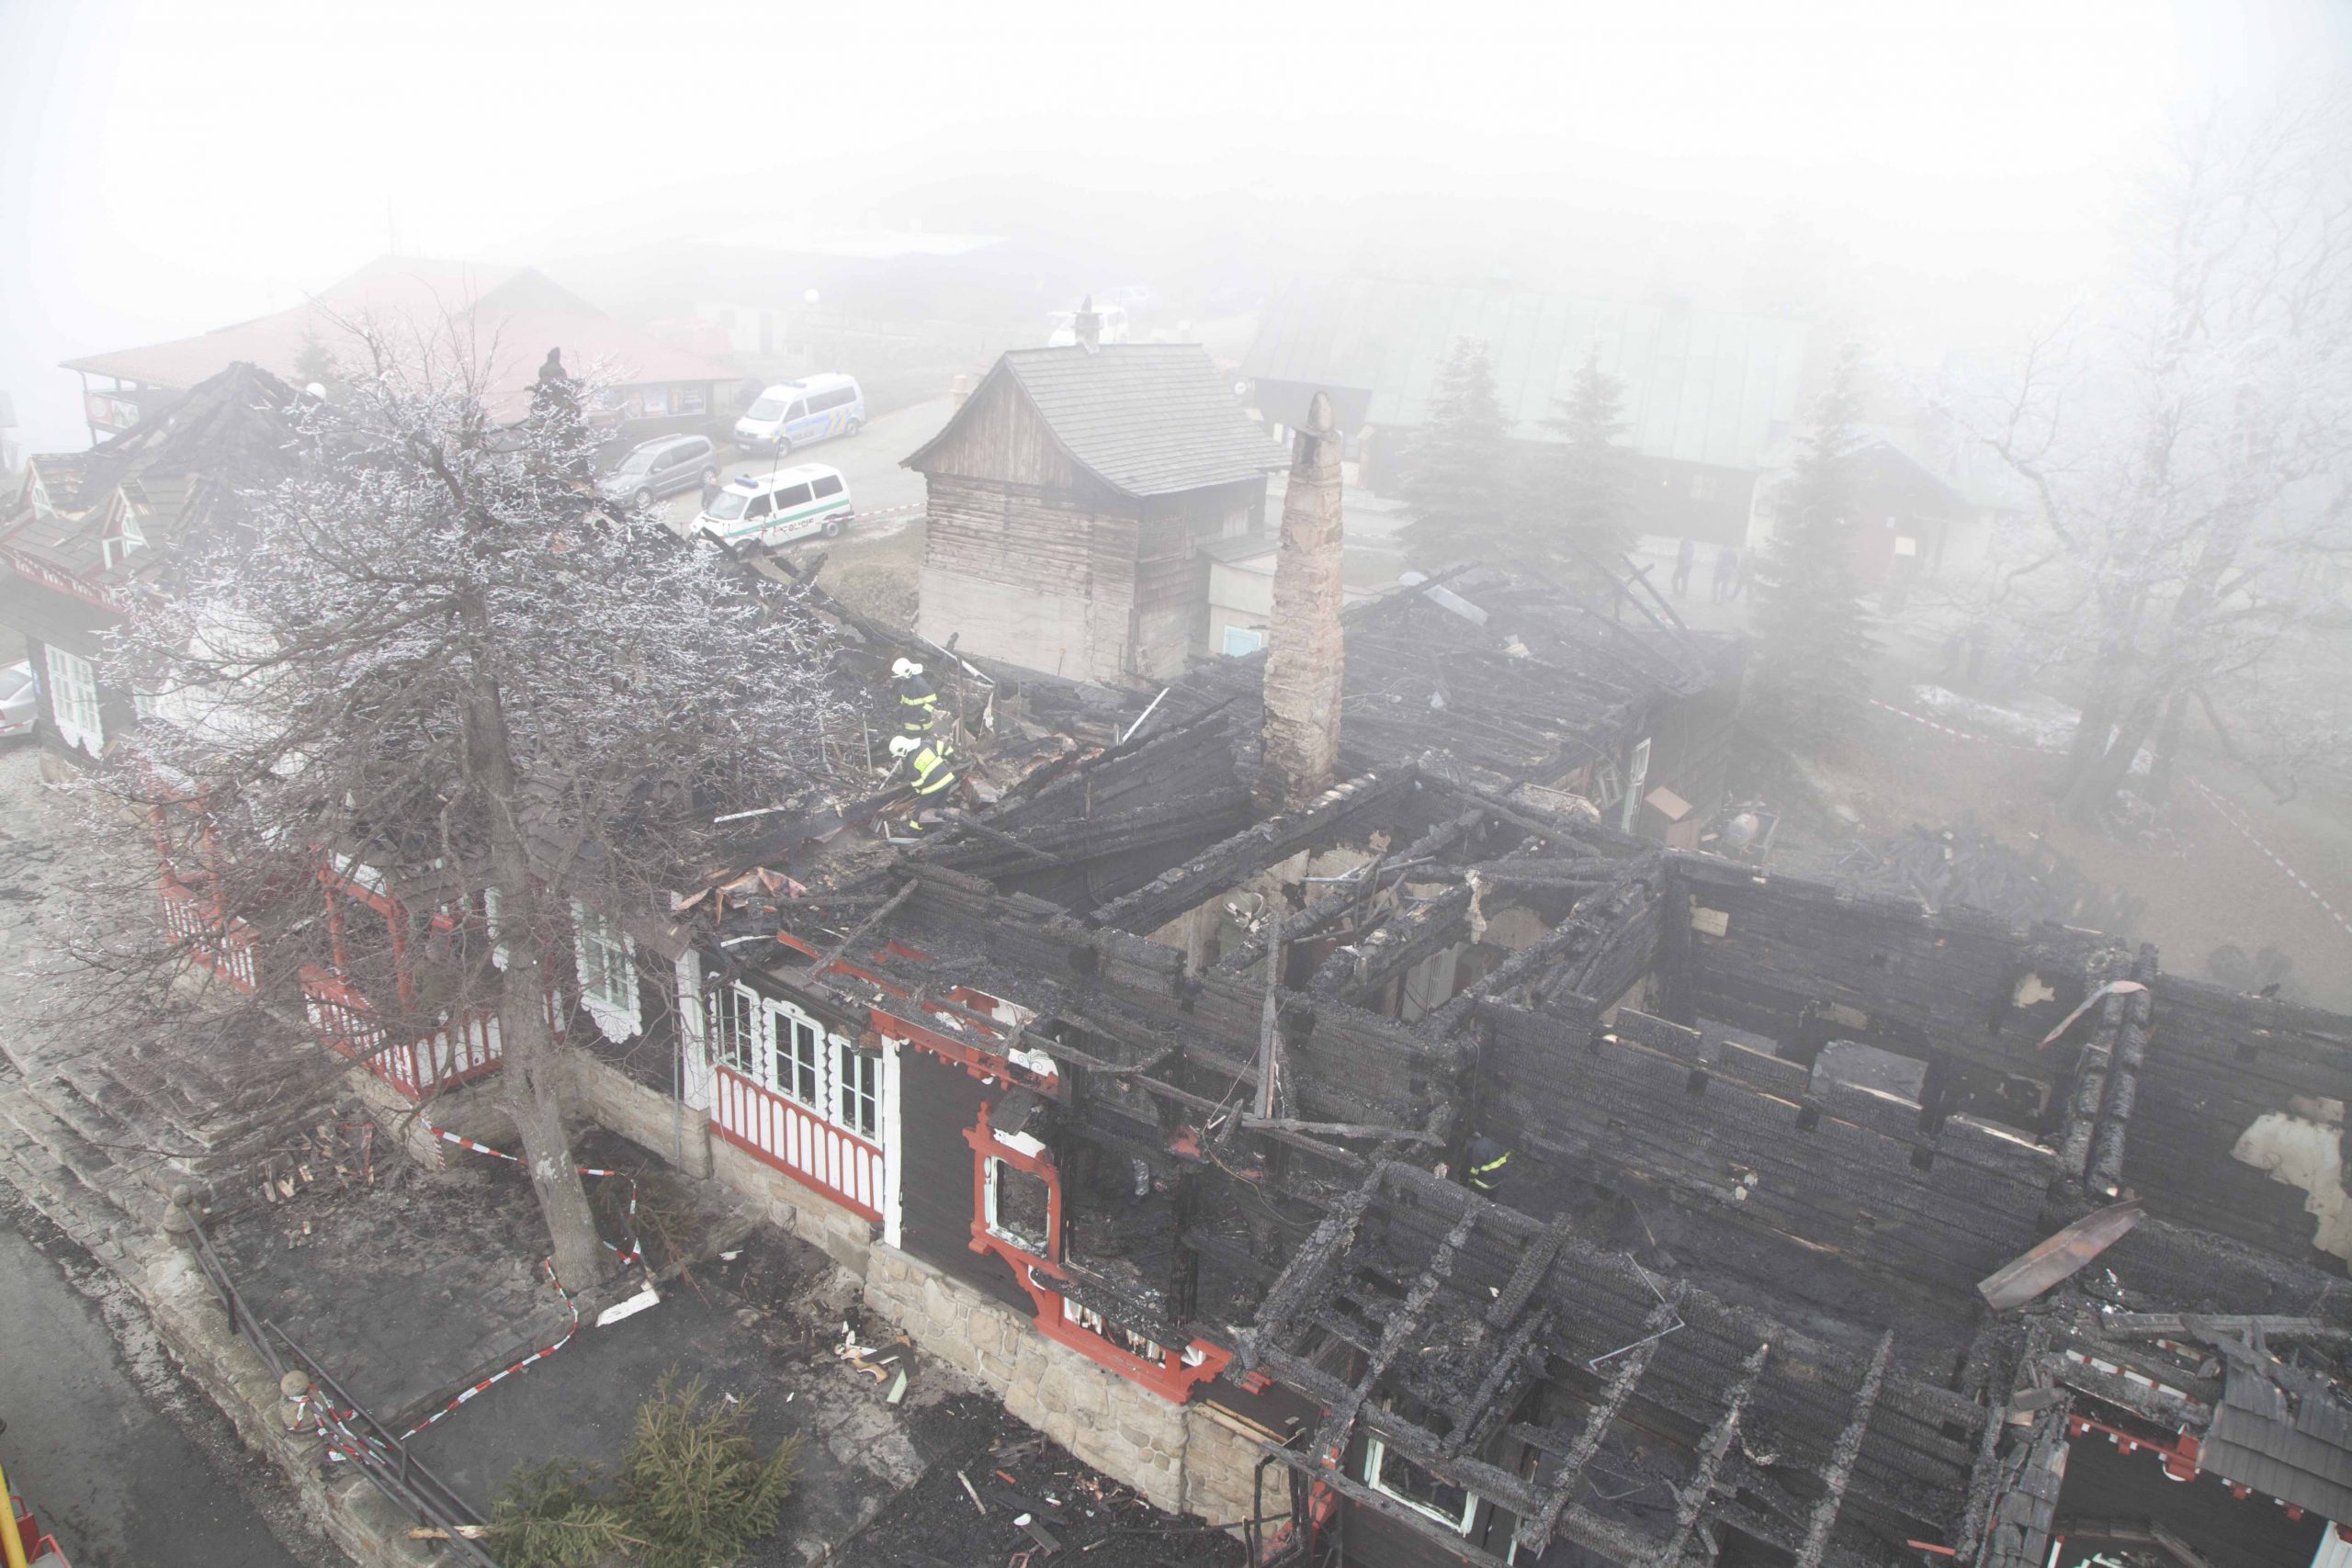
1762 948
2218 1062
1350 1064
1720 1126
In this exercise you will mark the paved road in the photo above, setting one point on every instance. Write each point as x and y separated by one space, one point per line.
885 495
124 1464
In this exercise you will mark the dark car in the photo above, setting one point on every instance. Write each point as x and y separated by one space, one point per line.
663 466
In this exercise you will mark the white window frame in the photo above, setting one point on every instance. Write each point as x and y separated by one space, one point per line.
605 958
738 1031
1037 1246
74 700
857 1082
788 1029
1257 640
126 541
1375 1450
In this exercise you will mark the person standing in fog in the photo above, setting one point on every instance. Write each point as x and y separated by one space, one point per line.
1726 573
1684 559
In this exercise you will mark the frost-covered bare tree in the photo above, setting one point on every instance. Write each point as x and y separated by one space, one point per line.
2185 450
435 663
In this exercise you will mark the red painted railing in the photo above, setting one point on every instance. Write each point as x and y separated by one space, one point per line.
465 1046
800 1142
227 950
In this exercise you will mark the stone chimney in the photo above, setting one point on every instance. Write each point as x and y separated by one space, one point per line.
1088 327
1305 660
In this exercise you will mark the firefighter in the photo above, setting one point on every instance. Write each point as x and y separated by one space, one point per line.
918 703
1485 1166
930 776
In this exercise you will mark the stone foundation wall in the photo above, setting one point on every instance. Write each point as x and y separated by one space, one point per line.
472 1110
822 1223
646 1118
1183 1458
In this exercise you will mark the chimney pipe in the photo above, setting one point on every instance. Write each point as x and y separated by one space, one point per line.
1088 327
1300 745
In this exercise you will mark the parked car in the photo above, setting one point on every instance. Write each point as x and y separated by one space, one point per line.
795 414
20 700
778 508
663 466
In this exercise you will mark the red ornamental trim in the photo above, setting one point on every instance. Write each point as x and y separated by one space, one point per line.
1169 1377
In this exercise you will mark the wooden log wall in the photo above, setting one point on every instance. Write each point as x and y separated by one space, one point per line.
1718 1126
1348 1065
2217 1062
1763 949
1040 577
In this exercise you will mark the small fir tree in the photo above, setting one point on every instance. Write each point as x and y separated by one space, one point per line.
1810 676
1586 525
1457 476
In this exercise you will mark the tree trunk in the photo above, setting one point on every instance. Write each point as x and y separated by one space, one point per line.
530 1077
530 1074
2167 745
2094 789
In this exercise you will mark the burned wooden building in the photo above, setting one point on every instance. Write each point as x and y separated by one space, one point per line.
1066 501
1146 1077
1828 1231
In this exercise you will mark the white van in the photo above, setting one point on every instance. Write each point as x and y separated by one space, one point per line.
779 507
794 414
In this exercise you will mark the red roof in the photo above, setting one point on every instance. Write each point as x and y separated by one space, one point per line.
507 318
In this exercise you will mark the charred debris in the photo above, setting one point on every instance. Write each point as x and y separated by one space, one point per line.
1725 1302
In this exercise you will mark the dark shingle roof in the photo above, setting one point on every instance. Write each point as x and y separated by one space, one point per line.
2302 1456
178 465
1145 419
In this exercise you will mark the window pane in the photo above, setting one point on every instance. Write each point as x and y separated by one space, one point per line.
859 1078
826 485
1401 1478
796 495
759 507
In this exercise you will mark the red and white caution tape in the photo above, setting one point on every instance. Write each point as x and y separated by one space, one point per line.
632 1253
1956 734
538 1355
334 1427
889 512
2230 815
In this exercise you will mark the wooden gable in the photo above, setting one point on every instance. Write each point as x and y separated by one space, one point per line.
998 436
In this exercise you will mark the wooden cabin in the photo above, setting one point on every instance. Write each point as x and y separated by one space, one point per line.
1068 502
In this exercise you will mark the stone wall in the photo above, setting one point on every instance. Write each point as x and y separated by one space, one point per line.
1188 1459
679 1136
188 1316
646 1118
472 1110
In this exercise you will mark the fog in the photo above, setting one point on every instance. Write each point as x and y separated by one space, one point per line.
170 168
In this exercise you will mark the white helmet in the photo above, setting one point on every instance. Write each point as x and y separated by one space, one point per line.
900 668
903 744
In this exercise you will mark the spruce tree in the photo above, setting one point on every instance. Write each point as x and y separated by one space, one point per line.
1457 476
1809 678
1584 509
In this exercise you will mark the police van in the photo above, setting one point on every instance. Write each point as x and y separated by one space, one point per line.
777 508
794 414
